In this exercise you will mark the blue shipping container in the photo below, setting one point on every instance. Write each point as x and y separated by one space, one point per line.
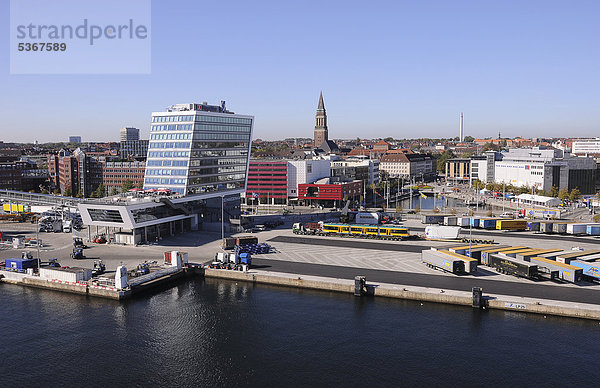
593 229
475 222
488 224
21 264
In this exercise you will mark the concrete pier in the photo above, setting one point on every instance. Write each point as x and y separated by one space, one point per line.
423 294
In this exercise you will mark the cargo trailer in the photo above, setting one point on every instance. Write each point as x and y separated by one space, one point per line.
536 252
577 228
546 226
511 225
432 218
367 218
533 226
463 221
495 249
462 249
447 263
451 221
566 272
438 232
487 223
511 266
470 263
593 229
590 269
475 222
559 227
590 255
514 253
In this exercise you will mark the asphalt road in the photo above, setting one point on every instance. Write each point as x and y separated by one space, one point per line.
460 283
351 243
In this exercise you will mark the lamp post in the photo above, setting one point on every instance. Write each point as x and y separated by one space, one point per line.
37 242
222 218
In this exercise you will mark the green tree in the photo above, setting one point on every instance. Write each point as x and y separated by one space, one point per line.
441 162
469 139
114 191
574 195
140 185
541 192
388 139
563 194
490 147
99 192
478 184
553 192
127 185
68 192
79 194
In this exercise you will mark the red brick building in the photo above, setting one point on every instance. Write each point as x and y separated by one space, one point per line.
328 193
115 174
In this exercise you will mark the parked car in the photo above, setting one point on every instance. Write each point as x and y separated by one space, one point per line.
507 214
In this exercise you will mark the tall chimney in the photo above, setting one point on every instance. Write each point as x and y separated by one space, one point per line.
462 135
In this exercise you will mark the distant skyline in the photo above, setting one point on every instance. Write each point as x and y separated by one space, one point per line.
386 68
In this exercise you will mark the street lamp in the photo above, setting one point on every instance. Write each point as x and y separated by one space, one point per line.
37 242
222 218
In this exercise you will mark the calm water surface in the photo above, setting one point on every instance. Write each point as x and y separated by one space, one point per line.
220 333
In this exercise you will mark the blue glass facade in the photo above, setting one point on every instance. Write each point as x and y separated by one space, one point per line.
200 152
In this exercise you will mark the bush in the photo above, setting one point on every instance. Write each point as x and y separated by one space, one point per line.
597 218
489 213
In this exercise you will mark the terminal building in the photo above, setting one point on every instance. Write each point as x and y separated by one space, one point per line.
196 169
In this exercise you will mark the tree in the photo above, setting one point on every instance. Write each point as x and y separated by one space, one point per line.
490 147
114 191
553 192
469 139
441 162
389 139
99 192
140 185
574 195
68 192
127 185
79 194
563 194
479 185
541 192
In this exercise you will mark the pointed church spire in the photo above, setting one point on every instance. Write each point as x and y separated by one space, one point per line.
321 104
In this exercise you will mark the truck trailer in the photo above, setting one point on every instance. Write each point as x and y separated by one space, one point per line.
444 262
512 266
470 263
566 272
511 224
591 270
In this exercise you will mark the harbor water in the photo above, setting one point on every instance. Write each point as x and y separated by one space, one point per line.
207 332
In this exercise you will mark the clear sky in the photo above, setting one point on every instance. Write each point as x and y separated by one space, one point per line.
386 68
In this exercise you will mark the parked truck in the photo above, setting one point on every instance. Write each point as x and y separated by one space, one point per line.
438 232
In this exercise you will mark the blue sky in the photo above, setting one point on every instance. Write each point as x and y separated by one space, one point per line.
386 68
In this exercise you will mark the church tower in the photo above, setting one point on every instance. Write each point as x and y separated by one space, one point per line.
321 135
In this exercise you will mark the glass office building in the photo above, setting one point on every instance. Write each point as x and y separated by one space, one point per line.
198 149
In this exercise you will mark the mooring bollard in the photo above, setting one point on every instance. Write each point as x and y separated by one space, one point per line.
360 283
477 297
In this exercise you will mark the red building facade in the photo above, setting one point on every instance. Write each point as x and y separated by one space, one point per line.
329 192
267 180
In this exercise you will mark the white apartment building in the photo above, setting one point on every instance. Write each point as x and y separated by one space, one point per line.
586 147
305 171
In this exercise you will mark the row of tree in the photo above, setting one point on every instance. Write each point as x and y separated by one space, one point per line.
563 194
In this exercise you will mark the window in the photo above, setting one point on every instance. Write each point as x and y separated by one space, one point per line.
105 215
